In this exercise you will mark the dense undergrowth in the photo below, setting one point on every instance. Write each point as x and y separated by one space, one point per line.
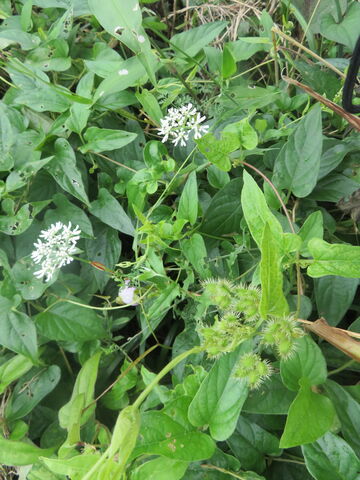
178 242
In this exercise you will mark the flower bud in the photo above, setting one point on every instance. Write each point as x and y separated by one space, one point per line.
246 301
219 292
253 368
282 333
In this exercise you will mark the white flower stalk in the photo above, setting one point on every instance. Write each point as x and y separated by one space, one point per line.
179 123
56 248
127 295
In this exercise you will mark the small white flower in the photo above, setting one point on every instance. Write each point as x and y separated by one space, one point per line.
56 248
123 71
179 123
127 294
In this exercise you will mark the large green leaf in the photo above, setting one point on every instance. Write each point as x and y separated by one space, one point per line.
312 228
68 212
193 40
273 301
219 400
250 443
160 435
309 417
103 139
14 453
224 213
333 259
30 390
83 388
257 213
65 172
188 203
107 209
332 458
271 398
298 163
68 322
334 295
160 468
348 411
12 369
307 361
105 249
346 31
17 330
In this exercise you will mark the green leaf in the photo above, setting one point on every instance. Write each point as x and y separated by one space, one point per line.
273 301
13 369
66 321
157 309
68 212
348 411
312 228
333 259
307 362
334 296
219 400
334 187
103 139
30 390
271 398
188 203
79 113
217 151
160 435
192 41
247 136
161 468
84 385
298 163
224 213
228 62
105 248
7 140
250 443
310 416
195 251
14 453
17 330
346 31
107 209
332 458
114 17
74 467
150 105
256 212
65 172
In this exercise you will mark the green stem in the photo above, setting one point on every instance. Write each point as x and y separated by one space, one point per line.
343 367
163 372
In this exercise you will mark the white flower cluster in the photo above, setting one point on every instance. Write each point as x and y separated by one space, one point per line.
180 122
56 249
